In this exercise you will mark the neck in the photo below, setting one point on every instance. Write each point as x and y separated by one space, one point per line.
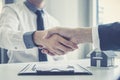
35 3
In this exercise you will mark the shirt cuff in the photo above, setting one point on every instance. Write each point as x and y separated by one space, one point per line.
96 40
28 40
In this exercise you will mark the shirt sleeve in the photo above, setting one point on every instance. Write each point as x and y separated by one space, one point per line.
95 37
28 40
109 35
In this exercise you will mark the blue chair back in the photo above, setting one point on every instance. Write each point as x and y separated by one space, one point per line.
3 56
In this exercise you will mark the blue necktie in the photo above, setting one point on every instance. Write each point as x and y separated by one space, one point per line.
40 26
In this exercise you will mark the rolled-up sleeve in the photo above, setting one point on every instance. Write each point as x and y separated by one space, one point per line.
95 37
28 40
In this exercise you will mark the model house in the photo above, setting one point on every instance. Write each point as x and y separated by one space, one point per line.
102 59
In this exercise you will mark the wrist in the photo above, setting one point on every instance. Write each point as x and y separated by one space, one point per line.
84 35
38 37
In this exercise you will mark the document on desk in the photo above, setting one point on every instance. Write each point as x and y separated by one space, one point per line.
54 69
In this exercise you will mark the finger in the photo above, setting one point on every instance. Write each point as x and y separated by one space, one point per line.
40 47
45 51
49 51
57 51
51 32
68 44
51 54
60 52
48 35
63 48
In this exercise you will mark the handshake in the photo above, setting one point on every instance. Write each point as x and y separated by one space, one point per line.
59 41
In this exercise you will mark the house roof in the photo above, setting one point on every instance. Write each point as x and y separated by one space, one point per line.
90 53
110 54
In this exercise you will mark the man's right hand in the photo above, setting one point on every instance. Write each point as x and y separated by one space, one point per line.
77 35
56 44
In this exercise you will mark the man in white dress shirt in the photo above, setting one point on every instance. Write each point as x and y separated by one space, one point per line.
22 32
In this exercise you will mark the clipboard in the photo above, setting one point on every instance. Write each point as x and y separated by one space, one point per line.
34 69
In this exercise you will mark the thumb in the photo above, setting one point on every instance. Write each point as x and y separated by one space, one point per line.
48 34
51 32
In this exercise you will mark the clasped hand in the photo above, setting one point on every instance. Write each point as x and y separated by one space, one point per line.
56 41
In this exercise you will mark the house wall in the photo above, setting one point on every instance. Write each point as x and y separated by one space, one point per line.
109 62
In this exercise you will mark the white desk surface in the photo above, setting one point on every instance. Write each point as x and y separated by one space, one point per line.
10 71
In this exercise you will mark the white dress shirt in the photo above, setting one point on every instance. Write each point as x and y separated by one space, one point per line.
16 19
95 37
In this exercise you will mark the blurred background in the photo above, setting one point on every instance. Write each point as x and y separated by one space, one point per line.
78 13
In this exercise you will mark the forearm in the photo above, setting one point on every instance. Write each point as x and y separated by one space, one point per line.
77 35
109 36
34 38
83 35
38 37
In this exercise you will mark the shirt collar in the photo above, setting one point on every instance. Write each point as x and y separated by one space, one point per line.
32 7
